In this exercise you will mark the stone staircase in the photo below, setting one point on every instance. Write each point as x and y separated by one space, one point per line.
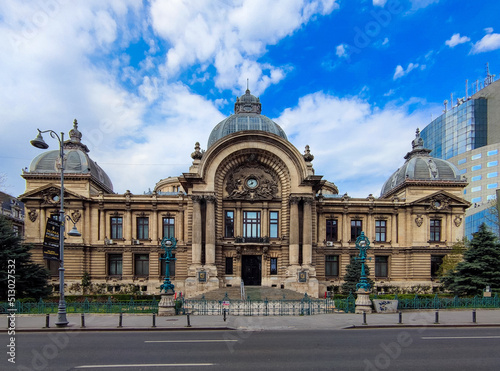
252 293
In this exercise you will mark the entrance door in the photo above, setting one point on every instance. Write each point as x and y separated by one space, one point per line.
251 267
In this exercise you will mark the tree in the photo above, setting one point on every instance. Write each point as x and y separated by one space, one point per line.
454 257
353 275
480 267
16 268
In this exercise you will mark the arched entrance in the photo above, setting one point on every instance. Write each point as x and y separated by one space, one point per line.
251 269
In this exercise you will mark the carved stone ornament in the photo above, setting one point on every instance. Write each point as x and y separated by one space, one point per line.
439 202
33 214
457 221
419 220
252 182
51 196
76 215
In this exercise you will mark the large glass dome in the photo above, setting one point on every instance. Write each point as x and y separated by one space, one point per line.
246 116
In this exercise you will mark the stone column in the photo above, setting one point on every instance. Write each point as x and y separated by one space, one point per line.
210 231
102 224
307 233
154 226
294 230
196 254
238 221
180 224
128 226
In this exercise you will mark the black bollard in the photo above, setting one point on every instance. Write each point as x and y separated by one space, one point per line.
83 321
188 321
120 320
473 315
224 315
47 320
437 317
400 317
154 319
364 318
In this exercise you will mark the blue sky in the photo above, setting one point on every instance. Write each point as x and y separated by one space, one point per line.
148 79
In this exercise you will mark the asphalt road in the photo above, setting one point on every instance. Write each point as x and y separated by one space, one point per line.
352 349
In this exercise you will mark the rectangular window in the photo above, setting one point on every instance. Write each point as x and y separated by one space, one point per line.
168 227
475 189
475 157
462 172
171 267
462 161
476 199
273 224
492 163
475 178
493 152
492 175
476 167
356 227
380 230
331 265
141 264
229 224
492 185
115 264
435 230
491 197
142 228
229 265
381 266
116 227
273 265
331 230
251 224
53 267
436 261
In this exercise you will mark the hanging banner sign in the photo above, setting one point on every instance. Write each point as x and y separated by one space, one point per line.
51 242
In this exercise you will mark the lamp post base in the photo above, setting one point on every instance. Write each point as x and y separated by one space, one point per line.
363 302
166 306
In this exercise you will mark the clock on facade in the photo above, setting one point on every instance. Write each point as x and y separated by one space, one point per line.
252 183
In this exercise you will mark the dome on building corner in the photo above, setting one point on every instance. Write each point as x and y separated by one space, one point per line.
77 160
247 116
420 165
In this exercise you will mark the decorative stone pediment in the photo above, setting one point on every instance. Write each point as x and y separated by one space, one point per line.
440 201
251 182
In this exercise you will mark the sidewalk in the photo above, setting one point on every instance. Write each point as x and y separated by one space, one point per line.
334 321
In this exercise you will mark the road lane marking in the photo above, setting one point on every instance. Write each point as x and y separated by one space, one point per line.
150 365
459 337
188 341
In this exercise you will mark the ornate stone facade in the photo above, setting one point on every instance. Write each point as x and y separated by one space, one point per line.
250 208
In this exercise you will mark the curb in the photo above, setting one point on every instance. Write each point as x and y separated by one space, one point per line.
112 329
436 325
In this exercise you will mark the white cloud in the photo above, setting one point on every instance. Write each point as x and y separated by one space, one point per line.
340 50
456 39
380 3
232 36
419 4
400 71
378 139
490 41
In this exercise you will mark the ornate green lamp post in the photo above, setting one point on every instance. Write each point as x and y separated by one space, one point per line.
363 288
168 244
166 307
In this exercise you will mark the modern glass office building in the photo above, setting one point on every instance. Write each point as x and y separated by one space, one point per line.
467 135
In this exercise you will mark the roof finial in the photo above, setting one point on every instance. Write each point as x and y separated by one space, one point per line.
248 90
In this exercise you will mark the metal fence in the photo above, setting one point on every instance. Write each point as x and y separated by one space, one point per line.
109 306
282 307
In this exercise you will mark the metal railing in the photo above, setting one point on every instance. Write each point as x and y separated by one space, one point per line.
242 290
281 307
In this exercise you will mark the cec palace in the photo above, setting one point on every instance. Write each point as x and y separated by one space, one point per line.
250 208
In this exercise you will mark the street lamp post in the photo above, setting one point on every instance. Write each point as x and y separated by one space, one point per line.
363 287
166 306
38 142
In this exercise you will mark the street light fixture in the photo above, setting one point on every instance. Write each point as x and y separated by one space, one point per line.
38 142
